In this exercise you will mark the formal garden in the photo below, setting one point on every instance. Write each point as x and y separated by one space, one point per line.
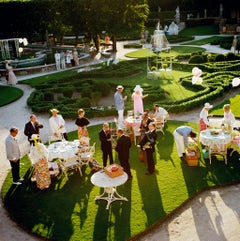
67 210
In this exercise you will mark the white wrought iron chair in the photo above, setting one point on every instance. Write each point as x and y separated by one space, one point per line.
218 149
86 155
235 144
160 125
130 113
72 163
136 133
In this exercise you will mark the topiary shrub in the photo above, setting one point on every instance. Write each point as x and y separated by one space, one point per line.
220 57
68 93
48 96
230 56
196 59
84 102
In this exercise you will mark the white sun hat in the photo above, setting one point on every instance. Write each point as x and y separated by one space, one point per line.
207 105
119 87
138 88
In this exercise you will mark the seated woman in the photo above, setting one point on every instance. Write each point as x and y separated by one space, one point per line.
38 156
228 119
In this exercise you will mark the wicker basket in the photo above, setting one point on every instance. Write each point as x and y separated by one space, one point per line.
192 158
109 170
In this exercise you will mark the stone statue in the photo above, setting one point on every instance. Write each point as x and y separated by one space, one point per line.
177 16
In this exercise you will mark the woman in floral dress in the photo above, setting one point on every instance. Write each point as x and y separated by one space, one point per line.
38 156
82 123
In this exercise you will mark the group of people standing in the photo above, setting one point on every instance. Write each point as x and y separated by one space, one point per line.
38 153
66 59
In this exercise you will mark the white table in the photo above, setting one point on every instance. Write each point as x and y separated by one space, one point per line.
207 139
110 194
133 122
216 143
63 149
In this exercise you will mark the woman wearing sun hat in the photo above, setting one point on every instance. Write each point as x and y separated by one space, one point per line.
137 98
204 122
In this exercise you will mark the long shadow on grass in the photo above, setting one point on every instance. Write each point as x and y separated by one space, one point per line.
165 140
151 196
49 213
115 220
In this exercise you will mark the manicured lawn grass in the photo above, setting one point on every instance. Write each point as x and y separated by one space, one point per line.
234 102
175 50
67 210
201 30
9 94
206 40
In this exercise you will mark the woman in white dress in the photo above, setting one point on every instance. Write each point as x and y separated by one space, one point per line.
12 80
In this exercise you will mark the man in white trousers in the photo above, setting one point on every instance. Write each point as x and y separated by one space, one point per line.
119 104
181 135
57 125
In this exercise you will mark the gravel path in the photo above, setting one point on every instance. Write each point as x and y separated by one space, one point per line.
213 215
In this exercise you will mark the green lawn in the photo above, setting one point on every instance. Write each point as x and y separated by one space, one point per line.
9 94
201 30
206 40
67 210
175 50
234 102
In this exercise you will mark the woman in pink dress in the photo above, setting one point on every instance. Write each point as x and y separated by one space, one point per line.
138 100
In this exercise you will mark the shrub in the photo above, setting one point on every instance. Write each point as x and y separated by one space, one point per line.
68 93
220 57
86 92
231 56
83 102
196 59
48 96
132 45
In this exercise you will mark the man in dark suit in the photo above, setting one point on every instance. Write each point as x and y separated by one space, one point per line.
106 144
32 127
122 148
148 144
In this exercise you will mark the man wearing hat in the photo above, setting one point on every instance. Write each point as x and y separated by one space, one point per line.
204 122
57 125
119 104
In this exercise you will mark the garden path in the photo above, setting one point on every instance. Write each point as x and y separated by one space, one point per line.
212 214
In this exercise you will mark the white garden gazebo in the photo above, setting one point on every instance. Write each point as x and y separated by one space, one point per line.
159 44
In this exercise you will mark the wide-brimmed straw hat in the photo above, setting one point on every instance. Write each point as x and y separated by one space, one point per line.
119 87
207 105
138 88
54 110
